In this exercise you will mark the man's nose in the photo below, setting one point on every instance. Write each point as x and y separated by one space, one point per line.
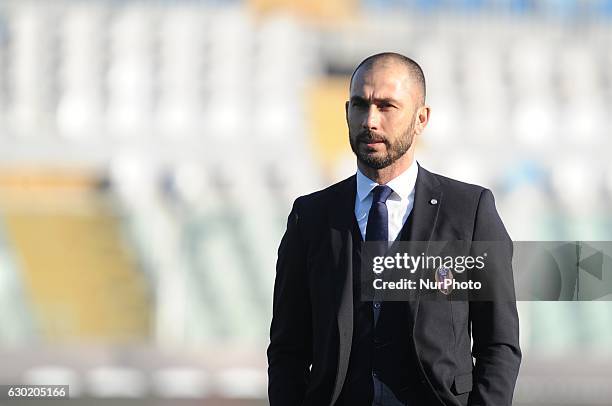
371 120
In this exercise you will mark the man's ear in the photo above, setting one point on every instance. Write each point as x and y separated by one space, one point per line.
346 107
422 118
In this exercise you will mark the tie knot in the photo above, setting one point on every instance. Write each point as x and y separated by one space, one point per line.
381 193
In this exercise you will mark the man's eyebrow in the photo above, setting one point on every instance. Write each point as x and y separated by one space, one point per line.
389 100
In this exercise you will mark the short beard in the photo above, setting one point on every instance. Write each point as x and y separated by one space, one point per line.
393 151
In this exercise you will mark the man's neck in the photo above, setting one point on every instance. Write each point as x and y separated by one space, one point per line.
385 175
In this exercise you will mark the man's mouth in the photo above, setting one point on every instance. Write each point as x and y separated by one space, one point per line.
371 142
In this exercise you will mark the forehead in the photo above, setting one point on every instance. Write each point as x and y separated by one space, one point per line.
384 80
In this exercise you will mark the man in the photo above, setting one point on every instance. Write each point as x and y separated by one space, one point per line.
329 347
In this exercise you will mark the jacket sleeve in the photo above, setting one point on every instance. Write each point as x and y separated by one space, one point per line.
494 323
289 352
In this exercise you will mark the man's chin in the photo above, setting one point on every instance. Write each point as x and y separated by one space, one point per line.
375 162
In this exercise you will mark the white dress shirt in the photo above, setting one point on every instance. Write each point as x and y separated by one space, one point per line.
399 203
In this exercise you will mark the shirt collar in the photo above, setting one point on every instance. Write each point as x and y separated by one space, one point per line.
402 185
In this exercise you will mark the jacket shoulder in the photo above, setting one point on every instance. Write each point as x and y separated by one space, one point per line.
458 189
321 198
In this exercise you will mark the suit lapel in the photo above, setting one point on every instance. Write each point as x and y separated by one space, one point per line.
427 201
342 223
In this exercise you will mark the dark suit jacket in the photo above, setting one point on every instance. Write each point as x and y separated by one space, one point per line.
312 324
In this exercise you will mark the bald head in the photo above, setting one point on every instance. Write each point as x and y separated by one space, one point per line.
414 73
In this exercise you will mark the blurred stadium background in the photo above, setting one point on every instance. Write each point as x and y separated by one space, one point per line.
150 152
